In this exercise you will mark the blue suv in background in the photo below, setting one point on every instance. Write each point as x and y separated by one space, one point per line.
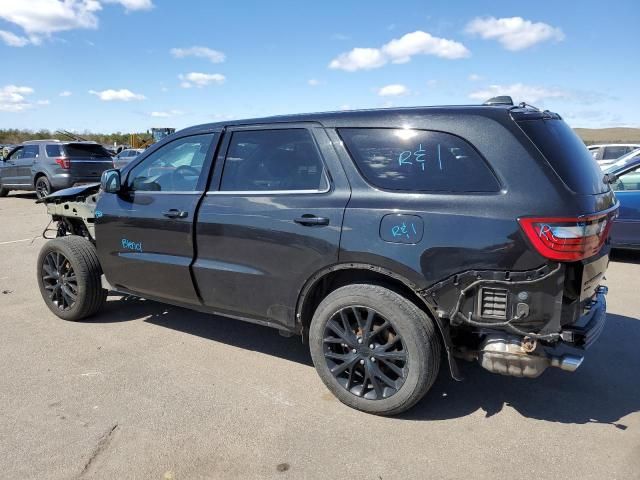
44 166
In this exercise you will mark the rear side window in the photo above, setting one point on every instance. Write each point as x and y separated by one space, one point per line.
81 150
418 160
567 154
54 150
272 160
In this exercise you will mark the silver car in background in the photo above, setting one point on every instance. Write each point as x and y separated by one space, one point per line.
125 156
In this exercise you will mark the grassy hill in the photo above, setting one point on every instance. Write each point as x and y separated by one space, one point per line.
609 135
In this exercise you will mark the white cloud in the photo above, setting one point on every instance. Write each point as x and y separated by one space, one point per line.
42 18
13 98
514 33
519 92
359 59
313 82
432 83
122 95
399 50
12 39
214 56
474 77
131 5
166 114
43 102
65 93
393 90
195 79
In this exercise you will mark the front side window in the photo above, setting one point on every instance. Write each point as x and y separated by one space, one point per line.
17 154
31 151
273 160
175 167
630 181
418 160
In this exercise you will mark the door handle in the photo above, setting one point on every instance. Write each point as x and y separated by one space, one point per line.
311 220
175 213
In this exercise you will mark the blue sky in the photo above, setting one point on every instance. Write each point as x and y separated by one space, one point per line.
128 65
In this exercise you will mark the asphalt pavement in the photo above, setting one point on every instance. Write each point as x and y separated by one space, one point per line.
147 391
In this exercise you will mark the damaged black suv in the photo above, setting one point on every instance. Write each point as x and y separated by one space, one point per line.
389 239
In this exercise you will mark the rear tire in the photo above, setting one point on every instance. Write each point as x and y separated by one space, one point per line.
43 186
374 349
4 191
69 278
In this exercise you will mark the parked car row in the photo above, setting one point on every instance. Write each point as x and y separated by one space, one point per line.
609 153
45 166
625 182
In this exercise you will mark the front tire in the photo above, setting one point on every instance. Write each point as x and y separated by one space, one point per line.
374 349
4 191
69 278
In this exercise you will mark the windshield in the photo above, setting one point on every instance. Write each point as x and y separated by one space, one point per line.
625 160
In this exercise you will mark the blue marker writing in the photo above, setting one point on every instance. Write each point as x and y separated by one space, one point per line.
404 157
420 154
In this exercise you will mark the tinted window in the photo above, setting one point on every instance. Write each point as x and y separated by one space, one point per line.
17 154
54 150
611 153
628 181
85 150
263 160
174 167
418 161
31 151
567 154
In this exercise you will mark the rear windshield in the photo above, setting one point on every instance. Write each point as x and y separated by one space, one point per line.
566 154
418 160
80 150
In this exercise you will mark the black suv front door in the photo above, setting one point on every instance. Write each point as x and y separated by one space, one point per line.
144 234
271 219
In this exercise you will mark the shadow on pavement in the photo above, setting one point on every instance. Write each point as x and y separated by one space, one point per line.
603 390
23 195
212 327
625 256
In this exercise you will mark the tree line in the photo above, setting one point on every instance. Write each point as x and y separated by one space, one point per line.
14 136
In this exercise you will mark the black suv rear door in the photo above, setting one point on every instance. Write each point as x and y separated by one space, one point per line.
271 219
144 234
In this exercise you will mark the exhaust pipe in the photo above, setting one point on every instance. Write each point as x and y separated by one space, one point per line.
510 355
568 363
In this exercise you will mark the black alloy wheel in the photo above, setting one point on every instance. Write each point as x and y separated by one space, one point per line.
365 353
43 188
59 280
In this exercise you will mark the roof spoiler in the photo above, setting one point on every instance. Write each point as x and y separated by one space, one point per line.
501 100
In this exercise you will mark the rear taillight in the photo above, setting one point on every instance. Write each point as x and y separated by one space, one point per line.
568 239
64 162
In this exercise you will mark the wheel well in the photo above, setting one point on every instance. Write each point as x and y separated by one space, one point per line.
37 176
333 280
